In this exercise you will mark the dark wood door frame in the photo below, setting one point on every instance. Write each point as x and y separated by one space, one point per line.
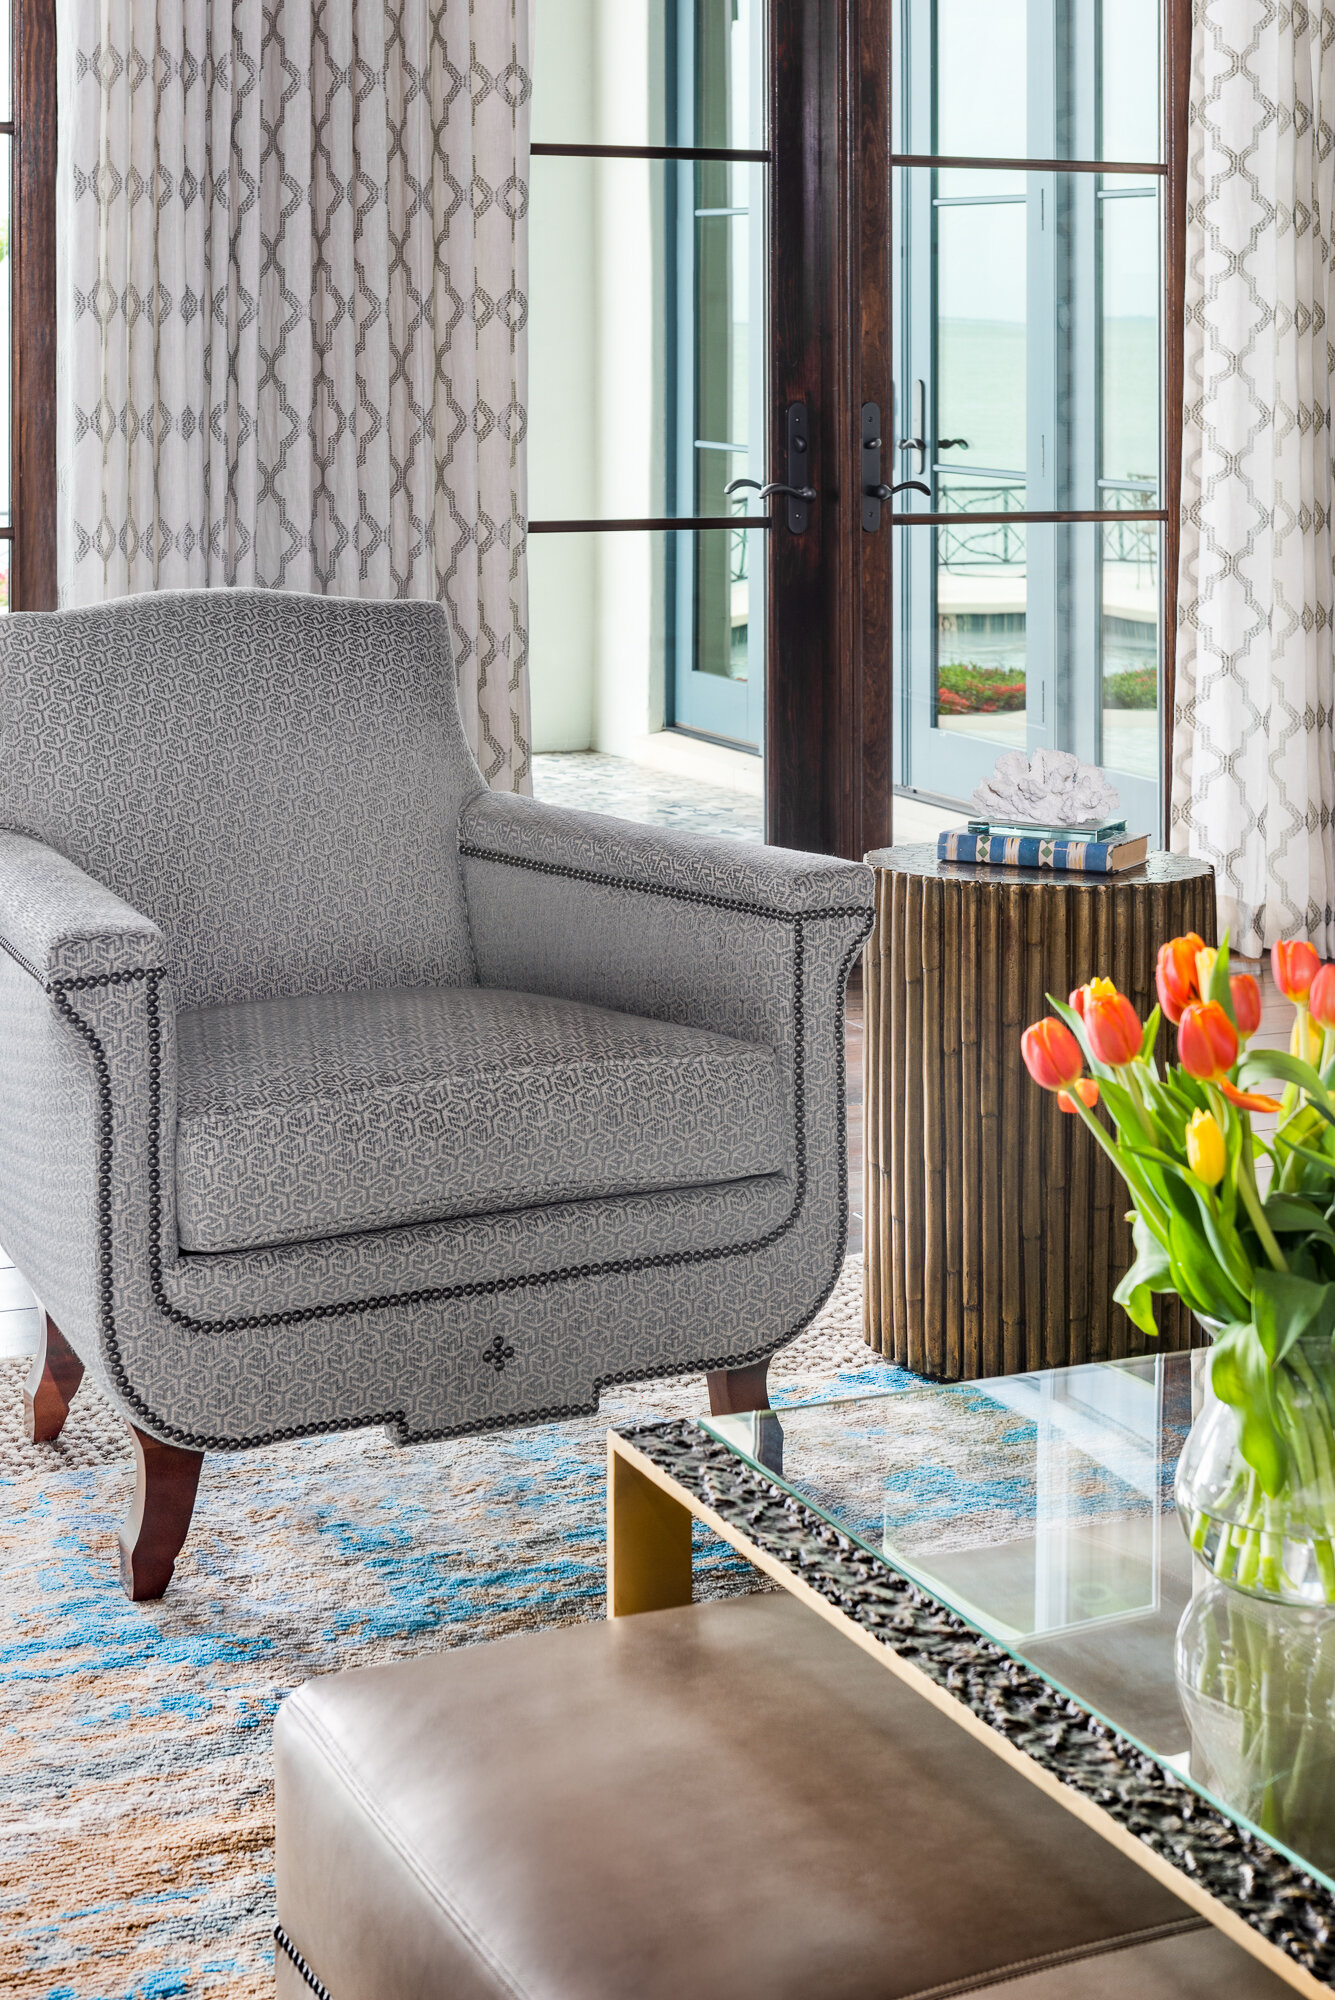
828 762
827 746
32 278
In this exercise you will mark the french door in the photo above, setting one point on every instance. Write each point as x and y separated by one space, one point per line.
837 245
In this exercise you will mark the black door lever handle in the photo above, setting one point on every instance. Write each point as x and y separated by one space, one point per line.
884 493
775 486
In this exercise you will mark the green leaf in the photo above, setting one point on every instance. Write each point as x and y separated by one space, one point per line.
1219 988
1283 1307
1150 1036
1289 1214
1195 1271
1150 1273
1241 1374
1275 1066
1125 1111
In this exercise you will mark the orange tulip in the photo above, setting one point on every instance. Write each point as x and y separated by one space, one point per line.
1175 974
1321 998
1085 1087
1051 1054
1295 965
1207 1041
1112 1025
1247 1002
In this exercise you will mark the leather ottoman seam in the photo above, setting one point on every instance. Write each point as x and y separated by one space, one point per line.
1049 1960
344 1771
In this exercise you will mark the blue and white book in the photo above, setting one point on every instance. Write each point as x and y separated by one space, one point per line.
1088 857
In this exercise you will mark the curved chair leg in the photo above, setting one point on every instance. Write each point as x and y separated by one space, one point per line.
732 1390
49 1390
154 1529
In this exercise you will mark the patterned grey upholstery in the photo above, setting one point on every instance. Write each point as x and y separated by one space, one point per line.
274 780
340 1112
222 799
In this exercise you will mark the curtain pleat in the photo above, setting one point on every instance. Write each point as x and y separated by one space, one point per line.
292 305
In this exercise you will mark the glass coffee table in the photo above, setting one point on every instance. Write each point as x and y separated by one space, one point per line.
1011 1549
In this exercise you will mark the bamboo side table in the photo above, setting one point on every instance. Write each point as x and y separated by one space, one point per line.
995 1234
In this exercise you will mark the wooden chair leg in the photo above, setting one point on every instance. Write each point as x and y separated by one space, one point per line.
732 1390
154 1529
49 1390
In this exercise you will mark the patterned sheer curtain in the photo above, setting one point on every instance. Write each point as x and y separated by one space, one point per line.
293 265
1254 749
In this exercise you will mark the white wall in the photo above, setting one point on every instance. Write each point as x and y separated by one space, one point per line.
597 343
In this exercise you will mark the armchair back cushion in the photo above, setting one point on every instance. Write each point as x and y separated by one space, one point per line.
276 780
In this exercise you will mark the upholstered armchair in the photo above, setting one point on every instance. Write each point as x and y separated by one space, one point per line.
339 1090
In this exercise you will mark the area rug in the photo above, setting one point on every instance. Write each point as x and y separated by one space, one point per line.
135 1786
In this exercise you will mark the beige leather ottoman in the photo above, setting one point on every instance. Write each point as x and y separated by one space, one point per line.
714 1803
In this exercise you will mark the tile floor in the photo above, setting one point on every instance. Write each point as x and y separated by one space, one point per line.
592 782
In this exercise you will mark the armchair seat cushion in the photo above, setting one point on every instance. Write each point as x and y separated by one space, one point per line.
331 1114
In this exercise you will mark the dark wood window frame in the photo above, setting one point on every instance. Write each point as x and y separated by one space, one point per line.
32 575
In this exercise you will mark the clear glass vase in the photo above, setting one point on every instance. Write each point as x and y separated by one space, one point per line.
1257 1684
1277 1546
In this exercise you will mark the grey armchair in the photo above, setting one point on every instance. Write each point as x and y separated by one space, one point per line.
339 1090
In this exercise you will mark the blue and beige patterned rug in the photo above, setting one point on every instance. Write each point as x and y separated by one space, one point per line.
135 1800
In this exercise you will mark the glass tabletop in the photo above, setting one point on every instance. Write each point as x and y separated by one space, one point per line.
1040 1508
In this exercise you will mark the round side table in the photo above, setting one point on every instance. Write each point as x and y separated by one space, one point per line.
995 1227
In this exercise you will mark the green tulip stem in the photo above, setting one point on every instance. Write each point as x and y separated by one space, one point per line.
1247 1188
1149 1205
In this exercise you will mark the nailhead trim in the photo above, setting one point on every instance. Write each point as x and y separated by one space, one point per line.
535 867
286 1945
59 991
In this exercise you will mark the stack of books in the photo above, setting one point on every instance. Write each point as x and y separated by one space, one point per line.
1093 850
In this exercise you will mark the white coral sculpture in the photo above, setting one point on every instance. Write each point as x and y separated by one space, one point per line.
1052 789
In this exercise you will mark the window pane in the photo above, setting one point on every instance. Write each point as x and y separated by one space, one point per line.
646 339
1020 635
722 599
1129 79
1129 588
1027 334
1130 283
629 631
649 72
981 58
981 591
1004 79
981 327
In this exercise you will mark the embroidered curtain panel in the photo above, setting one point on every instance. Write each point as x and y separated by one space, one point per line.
1254 783
292 277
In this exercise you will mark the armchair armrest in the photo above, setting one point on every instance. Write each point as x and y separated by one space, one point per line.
58 924
712 933
623 854
84 1038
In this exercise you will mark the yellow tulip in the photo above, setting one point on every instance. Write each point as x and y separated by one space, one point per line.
1205 959
1205 1148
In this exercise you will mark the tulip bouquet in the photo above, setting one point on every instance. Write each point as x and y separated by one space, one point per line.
1252 1253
